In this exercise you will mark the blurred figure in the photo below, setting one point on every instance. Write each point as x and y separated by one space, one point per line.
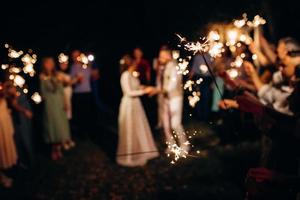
84 113
143 66
8 152
65 78
172 101
56 125
22 119
159 69
200 70
276 93
134 131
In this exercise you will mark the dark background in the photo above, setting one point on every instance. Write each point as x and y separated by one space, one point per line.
110 28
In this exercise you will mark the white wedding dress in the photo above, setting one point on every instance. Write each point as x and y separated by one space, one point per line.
136 145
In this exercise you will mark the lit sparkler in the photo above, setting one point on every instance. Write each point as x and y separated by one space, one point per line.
63 58
237 62
84 60
216 49
182 66
233 73
241 22
36 98
194 98
257 21
28 61
177 151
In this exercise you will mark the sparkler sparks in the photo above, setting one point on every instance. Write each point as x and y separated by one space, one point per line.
182 66
63 58
177 151
36 98
242 22
84 60
233 73
216 50
194 98
257 21
29 61
237 62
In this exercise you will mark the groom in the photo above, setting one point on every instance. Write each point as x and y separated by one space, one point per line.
170 93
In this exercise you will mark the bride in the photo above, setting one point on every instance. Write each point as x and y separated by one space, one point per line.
136 145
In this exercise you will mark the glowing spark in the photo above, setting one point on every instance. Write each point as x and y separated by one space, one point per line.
182 39
233 73
63 58
257 21
242 22
177 151
213 36
195 47
18 80
36 98
182 67
203 68
237 62
216 49
84 60
135 74
194 98
254 57
14 54
232 37
25 90
4 66
15 70
91 58
29 61
188 85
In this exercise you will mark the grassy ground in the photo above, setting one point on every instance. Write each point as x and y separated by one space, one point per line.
89 172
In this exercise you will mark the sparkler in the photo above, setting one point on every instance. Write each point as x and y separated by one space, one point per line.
29 61
182 66
233 73
17 80
216 50
63 58
257 21
177 151
91 57
200 47
237 62
194 98
36 98
84 60
242 22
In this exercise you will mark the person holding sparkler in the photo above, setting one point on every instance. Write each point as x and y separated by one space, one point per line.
56 125
22 118
83 102
8 152
136 145
67 82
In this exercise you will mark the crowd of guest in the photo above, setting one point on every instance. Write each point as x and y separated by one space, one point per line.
67 95
262 101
